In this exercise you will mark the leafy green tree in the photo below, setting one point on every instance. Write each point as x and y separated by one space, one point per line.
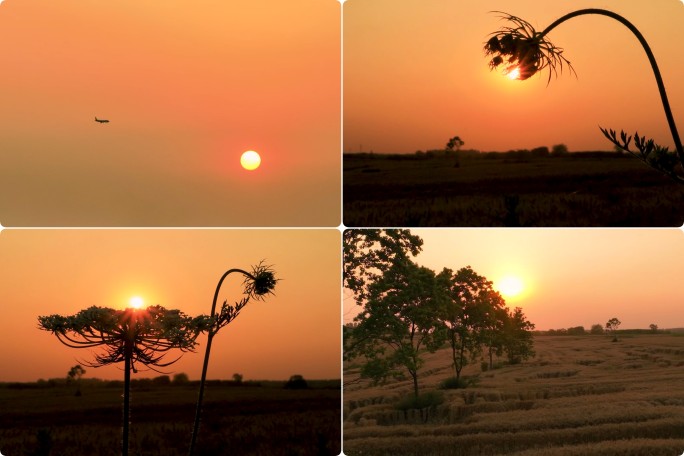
471 314
653 327
131 336
369 252
518 338
398 323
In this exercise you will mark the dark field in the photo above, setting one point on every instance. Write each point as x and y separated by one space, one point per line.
238 420
581 189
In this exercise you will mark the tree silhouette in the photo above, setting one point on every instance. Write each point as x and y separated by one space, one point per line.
454 142
522 49
368 252
134 336
75 374
256 284
596 329
612 326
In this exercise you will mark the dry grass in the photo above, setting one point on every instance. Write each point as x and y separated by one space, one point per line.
582 395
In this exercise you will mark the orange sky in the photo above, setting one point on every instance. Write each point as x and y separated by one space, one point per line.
572 277
188 87
297 331
415 75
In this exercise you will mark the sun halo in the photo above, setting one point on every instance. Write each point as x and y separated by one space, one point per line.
136 302
510 286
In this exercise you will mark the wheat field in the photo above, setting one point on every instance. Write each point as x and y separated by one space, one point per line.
580 395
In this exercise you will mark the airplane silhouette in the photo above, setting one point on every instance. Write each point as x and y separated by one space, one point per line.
101 120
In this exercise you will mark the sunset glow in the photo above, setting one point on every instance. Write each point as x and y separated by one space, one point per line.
566 278
211 81
386 96
176 269
510 286
514 73
136 302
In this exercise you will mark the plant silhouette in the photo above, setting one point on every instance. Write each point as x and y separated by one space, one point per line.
520 47
134 336
455 142
258 283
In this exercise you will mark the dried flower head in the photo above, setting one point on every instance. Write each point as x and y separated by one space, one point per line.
523 51
260 282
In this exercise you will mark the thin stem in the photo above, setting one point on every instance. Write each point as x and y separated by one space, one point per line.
651 59
205 365
127 394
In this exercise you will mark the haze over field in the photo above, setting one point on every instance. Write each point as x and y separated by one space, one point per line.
415 76
187 88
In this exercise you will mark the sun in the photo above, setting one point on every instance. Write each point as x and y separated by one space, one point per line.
514 73
510 286
250 160
136 302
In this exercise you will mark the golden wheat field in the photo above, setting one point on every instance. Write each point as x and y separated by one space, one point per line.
580 395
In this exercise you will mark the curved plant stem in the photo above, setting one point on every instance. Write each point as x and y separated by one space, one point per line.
651 59
210 337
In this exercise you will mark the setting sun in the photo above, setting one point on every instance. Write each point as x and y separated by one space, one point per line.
510 286
250 160
136 302
514 74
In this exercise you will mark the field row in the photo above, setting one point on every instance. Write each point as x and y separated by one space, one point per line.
580 395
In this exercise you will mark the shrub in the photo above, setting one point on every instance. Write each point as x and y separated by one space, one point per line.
296 382
458 383
425 400
596 329
162 380
181 378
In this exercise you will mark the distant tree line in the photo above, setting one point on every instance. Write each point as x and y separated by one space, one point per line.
408 310
556 151
610 328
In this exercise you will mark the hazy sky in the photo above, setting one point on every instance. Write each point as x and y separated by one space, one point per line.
415 75
188 87
571 277
297 331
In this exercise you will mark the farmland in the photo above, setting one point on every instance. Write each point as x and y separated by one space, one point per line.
581 395
507 189
252 419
